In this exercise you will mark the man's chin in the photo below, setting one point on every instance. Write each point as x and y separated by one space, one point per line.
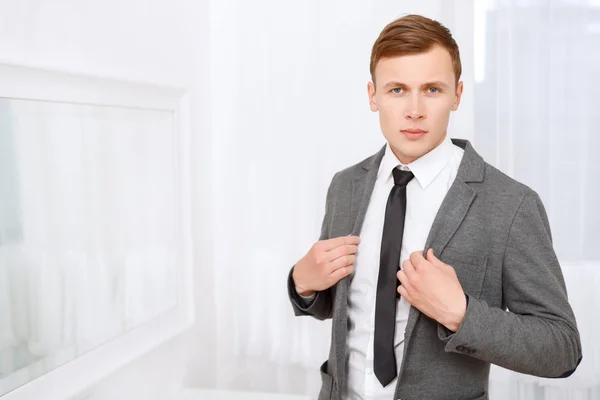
411 150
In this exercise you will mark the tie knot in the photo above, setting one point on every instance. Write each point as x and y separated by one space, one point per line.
402 178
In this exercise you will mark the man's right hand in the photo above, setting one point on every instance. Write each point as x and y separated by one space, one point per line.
325 264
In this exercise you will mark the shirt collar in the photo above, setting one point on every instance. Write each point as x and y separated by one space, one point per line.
425 168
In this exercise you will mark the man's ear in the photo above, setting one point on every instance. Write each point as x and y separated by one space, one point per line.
372 101
459 92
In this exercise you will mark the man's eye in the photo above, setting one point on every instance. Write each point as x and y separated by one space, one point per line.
396 90
433 90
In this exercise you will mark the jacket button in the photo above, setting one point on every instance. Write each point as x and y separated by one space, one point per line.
460 348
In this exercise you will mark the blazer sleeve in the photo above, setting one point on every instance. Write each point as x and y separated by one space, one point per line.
538 335
321 306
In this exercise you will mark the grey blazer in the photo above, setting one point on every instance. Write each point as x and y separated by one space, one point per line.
494 231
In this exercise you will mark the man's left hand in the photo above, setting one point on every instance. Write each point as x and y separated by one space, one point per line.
433 287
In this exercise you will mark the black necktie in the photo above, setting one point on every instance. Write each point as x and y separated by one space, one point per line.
387 283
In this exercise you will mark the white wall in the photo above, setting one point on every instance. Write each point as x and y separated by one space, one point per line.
149 41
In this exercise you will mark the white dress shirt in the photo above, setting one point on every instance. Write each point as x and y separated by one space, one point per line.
434 174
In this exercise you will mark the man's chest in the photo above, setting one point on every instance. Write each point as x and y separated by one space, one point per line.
421 210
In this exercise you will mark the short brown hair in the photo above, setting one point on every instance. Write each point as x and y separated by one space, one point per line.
413 34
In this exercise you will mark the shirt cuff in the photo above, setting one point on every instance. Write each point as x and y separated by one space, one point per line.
307 300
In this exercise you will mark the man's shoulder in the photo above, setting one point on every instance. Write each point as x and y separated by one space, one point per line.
504 188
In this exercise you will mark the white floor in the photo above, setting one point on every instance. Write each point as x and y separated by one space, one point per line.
208 394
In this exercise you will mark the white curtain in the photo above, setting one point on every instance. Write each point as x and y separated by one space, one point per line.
537 119
94 231
289 108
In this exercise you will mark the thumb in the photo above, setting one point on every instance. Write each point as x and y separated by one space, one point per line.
433 259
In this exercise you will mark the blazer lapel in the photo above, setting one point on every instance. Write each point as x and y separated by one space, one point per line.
449 217
362 188
453 210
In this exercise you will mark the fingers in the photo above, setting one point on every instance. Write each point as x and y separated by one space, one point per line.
342 255
434 260
331 244
340 251
404 293
332 259
343 265
404 280
341 262
408 267
416 258
341 272
408 276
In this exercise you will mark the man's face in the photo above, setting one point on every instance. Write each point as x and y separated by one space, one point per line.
414 95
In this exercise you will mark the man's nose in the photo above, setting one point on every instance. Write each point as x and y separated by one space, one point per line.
415 110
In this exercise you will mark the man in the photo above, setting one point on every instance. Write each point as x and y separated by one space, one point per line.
447 245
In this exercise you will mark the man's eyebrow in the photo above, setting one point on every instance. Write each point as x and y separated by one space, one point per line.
393 84
435 84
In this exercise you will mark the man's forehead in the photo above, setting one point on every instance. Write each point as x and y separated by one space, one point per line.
415 69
